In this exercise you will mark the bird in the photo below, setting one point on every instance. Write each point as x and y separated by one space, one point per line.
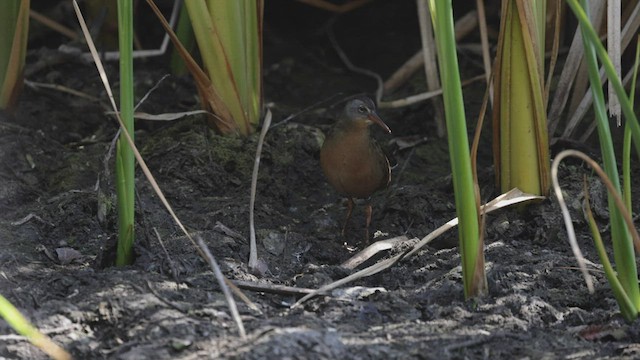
352 161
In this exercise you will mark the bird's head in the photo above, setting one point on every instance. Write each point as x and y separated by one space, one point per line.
362 110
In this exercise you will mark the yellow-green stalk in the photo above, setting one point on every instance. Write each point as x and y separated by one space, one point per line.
521 145
229 36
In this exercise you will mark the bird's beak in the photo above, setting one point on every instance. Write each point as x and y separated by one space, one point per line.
376 119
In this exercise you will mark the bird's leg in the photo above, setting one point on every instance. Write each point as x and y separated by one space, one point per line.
367 211
349 211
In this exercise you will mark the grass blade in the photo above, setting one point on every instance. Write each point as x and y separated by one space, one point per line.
627 308
618 204
622 243
22 326
125 159
464 187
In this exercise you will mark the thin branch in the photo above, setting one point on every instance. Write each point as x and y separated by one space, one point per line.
253 253
414 99
356 69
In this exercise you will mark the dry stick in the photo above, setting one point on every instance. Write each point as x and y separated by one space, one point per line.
137 115
371 270
273 288
580 110
570 69
630 29
484 40
153 88
295 115
567 217
581 83
480 277
163 116
511 197
172 266
225 289
62 89
30 216
567 76
410 100
141 54
404 72
587 103
476 137
584 107
253 252
430 64
177 306
80 94
167 116
463 27
350 66
414 99
105 81
54 25
368 252
554 53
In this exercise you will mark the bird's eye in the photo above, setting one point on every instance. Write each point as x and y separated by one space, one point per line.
362 109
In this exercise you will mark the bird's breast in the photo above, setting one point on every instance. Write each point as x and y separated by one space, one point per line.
354 165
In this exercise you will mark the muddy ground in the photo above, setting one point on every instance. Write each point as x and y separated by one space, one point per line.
57 194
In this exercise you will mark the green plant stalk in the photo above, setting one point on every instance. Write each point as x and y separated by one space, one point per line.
627 308
464 191
22 326
14 28
229 41
230 21
626 166
125 159
518 145
626 145
524 154
238 26
623 250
